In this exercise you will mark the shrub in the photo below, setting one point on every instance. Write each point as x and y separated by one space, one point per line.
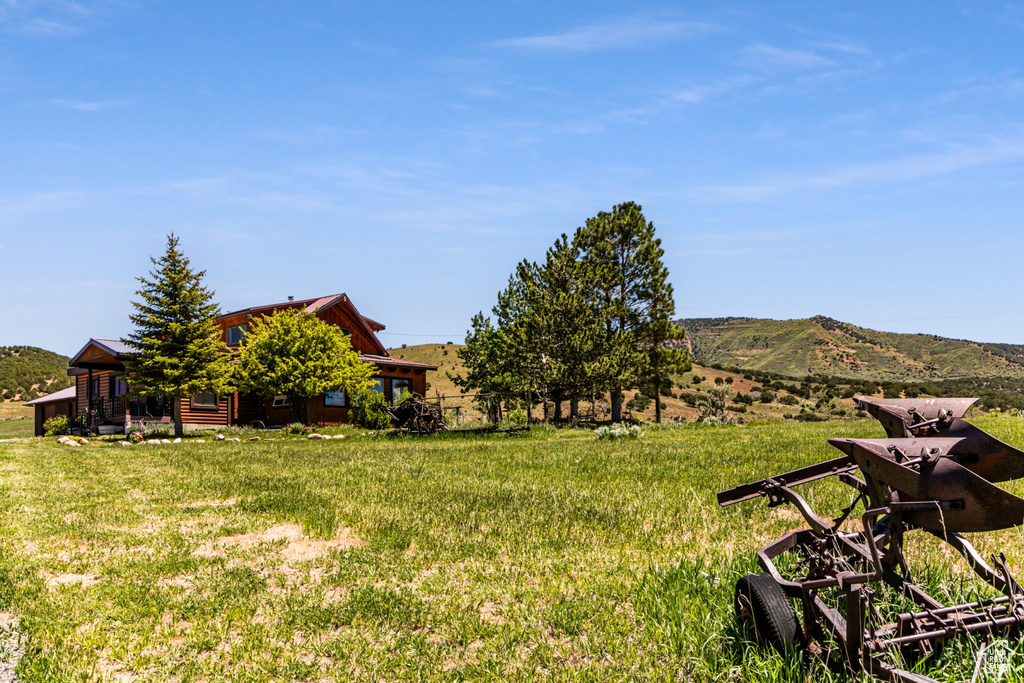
639 403
517 418
718 381
618 431
56 426
789 400
370 411
295 428
729 380
767 396
696 379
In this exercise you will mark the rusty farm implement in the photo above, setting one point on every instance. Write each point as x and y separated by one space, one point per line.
933 474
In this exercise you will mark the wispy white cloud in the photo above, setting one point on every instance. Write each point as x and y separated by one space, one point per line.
844 47
956 158
90 106
43 17
770 58
630 33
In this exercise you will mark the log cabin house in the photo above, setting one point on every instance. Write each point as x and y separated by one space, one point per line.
101 403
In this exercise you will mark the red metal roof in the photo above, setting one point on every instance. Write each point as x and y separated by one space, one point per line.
395 362
370 326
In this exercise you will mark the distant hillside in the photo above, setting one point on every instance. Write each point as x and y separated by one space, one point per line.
821 345
444 356
27 372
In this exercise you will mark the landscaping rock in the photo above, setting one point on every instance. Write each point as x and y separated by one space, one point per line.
165 441
72 443
236 440
154 442
200 440
176 441
314 435
219 437
255 438
126 443
64 439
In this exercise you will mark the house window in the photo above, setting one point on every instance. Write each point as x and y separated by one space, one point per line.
280 402
334 399
117 386
204 401
95 387
377 386
400 387
236 333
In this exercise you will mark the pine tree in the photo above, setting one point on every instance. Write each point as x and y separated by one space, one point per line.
635 300
178 347
563 327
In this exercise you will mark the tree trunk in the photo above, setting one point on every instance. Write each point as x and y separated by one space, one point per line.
529 407
657 406
574 409
616 404
179 430
558 409
297 408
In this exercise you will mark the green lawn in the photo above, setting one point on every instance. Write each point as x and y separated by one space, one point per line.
17 428
551 556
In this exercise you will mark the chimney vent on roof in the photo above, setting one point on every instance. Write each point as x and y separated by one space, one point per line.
291 298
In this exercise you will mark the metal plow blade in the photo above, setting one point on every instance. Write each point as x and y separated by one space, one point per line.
905 417
920 470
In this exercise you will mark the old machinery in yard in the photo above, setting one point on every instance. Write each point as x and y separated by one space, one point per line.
933 474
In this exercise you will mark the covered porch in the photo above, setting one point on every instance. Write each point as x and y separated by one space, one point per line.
102 404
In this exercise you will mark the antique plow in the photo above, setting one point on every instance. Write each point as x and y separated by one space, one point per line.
934 473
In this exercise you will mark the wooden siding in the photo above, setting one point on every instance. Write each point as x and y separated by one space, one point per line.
82 387
219 416
47 410
339 315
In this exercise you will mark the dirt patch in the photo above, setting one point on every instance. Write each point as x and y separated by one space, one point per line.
180 581
296 548
211 503
491 613
55 581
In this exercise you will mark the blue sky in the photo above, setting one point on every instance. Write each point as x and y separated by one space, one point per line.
858 160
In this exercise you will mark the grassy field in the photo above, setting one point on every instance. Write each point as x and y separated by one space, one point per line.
17 427
551 556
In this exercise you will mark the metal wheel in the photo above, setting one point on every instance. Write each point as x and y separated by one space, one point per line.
763 608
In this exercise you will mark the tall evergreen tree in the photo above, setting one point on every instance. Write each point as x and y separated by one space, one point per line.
179 350
562 326
635 298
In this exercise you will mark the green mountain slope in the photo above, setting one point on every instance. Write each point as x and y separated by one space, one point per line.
26 372
821 345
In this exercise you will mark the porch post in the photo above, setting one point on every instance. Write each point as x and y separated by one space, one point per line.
88 403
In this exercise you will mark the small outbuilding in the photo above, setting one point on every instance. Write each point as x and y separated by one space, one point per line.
59 403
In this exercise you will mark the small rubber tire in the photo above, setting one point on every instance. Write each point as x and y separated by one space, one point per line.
762 606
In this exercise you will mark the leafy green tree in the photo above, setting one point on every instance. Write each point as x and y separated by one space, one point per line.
179 350
295 354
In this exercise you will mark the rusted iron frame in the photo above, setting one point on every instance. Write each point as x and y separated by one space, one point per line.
849 630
